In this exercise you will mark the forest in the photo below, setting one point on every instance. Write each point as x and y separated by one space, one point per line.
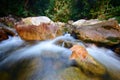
62 10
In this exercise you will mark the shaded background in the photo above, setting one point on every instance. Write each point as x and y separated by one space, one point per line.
62 10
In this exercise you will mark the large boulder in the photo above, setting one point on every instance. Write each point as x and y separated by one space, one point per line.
86 62
37 28
106 32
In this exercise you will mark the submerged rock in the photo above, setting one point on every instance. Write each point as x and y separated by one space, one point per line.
37 28
86 62
106 32
74 73
47 61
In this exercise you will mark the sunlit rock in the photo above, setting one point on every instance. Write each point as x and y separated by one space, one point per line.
37 28
86 62
78 52
106 32
36 20
84 22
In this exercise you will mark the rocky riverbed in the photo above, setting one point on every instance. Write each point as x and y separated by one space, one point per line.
36 48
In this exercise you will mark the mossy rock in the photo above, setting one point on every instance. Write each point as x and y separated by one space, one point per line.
74 73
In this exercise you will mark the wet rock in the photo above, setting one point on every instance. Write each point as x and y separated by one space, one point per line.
9 31
37 28
3 35
106 32
42 68
78 52
74 73
116 49
89 65
5 32
24 69
5 76
67 41
66 44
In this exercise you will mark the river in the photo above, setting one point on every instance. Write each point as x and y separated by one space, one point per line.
47 60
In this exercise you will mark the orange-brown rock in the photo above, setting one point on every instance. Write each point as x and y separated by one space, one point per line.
86 62
78 52
44 31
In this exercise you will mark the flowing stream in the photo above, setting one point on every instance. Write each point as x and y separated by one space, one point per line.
45 60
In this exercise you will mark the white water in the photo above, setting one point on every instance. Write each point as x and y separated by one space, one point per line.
12 42
106 57
48 50
35 50
52 57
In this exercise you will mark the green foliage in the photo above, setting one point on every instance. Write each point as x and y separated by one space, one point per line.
62 10
38 7
14 7
80 9
106 9
59 10
114 12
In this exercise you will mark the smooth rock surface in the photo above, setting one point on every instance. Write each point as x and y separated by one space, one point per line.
106 32
86 62
37 28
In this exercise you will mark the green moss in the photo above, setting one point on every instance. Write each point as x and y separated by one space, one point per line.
113 39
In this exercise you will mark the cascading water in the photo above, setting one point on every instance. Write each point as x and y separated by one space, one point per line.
45 60
108 58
